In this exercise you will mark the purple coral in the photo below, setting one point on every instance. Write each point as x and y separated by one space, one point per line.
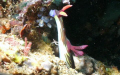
77 50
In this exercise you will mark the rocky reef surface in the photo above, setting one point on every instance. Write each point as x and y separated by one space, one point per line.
28 42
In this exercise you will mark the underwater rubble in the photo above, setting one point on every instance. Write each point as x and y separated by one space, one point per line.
28 43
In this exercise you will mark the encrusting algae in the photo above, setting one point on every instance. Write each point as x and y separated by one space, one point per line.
28 41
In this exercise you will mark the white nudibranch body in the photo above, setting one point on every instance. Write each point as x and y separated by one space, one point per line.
62 47
62 40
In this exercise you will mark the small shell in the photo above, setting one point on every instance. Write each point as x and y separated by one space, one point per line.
38 20
39 15
41 23
49 25
47 65
45 19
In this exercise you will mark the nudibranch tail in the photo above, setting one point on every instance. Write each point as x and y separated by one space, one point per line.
69 60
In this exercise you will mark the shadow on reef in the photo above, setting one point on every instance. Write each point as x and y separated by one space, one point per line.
96 23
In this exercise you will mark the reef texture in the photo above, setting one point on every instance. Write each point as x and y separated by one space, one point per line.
28 42
42 62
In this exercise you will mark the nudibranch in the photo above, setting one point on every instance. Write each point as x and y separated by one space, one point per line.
64 45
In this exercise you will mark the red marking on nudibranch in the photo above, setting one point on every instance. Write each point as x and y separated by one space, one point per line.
66 7
62 13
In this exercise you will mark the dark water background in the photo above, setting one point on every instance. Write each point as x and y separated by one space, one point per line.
96 23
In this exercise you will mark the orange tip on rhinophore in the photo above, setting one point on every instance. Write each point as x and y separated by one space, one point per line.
66 7
63 13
